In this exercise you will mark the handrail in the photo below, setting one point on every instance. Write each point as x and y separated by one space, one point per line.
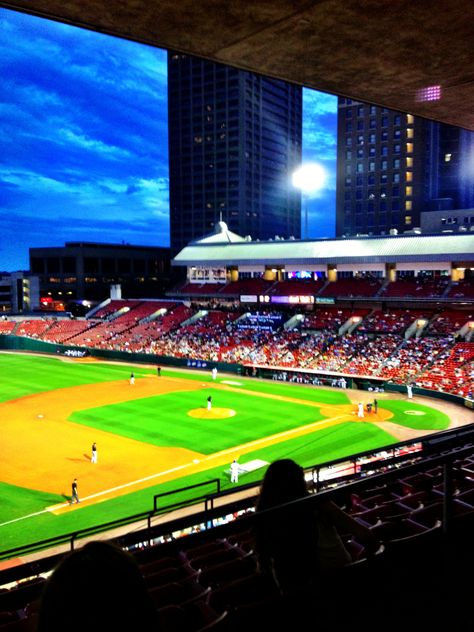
431 443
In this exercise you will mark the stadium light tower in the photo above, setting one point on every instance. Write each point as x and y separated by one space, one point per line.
309 177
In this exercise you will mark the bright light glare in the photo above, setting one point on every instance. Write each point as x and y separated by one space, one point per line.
309 177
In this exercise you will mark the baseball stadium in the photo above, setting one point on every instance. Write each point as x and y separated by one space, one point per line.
294 359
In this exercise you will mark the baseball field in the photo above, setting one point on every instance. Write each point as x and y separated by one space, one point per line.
157 435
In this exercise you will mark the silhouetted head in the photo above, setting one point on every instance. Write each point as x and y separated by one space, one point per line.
97 587
283 482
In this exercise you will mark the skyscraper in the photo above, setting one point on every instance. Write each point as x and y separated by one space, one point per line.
234 142
379 169
393 166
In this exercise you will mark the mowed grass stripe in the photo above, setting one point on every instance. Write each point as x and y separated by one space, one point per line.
24 375
164 421
405 414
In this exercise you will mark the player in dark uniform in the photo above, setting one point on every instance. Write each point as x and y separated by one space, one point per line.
74 496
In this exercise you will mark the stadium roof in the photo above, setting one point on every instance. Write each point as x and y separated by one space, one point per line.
410 56
401 248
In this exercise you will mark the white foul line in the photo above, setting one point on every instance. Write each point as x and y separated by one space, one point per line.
179 467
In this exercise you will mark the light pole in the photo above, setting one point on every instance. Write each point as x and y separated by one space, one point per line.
309 177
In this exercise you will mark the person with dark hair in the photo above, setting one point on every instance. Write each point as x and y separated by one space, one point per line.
95 588
302 544
94 453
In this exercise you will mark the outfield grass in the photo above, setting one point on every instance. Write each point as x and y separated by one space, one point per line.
162 420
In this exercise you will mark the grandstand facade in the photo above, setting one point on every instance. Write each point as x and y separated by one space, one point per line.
393 309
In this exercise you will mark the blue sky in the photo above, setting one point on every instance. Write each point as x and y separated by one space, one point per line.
84 145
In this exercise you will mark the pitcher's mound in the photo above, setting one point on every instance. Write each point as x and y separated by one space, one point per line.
214 413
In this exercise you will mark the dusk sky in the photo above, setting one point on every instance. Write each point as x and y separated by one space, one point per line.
84 141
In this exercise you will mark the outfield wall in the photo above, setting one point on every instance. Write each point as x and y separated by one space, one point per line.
21 343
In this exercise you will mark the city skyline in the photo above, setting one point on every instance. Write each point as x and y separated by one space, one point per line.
83 119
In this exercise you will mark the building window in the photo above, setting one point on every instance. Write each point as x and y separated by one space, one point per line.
360 167
408 220
360 110
410 119
447 157
348 141
409 176
383 165
409 148
408 205
409 191
372 165
396 163
360 139
410 132
409 162
384 121
396 178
